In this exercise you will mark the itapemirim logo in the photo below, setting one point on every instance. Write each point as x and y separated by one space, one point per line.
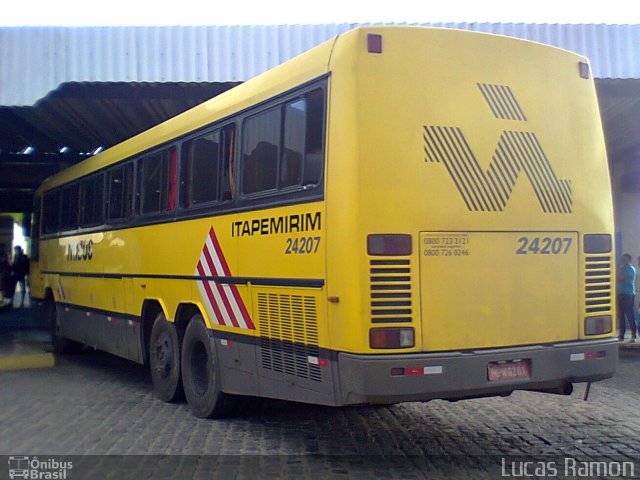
33 468
516 152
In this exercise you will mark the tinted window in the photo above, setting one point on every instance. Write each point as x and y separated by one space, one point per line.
314 138
157 182
282 146
261 151
92 199
120 192
206 168
35 228
51 212
70 202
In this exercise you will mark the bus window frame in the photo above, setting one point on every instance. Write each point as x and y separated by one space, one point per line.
262 198
95 178
183 158
45 214
297 194
107 220
160 150
36 227
76 225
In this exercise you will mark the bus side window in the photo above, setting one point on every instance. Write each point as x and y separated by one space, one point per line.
51 207
200 167
301 163
35 228
260 151
228 154
157 181
91 201
314 138
70 211
120 192
282 148
295 116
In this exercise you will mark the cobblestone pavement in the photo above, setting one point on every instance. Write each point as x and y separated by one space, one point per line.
94 404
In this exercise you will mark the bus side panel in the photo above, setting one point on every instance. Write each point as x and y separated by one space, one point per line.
116 334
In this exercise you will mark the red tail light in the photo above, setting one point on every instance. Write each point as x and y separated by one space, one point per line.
389 244
391 337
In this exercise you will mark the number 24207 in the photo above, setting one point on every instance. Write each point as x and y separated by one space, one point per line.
302 245
544 246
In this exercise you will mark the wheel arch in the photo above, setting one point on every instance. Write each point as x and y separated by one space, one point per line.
151 307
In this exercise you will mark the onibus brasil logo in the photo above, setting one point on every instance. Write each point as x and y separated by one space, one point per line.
38 469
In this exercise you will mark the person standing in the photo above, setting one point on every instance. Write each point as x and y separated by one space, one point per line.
626 290
19 272
5 278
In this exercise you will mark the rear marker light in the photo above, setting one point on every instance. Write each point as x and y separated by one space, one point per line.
579 357
389 244
399 371
584 70
374 43
322 362
391 337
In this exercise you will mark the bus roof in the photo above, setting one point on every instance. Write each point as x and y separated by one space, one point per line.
300 69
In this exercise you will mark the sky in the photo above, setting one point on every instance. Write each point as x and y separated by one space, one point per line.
268 12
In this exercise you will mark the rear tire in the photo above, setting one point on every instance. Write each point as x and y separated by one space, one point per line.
201 373
164 360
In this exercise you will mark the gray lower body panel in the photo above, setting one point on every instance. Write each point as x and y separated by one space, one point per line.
457 375
118 335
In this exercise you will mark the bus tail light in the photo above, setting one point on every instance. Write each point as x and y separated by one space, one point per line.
389 244
597 325
391 337
597 243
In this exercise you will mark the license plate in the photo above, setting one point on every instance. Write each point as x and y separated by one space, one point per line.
517 370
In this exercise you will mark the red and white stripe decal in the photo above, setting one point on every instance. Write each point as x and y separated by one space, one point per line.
222 301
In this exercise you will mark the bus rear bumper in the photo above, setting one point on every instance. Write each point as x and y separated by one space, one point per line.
385 379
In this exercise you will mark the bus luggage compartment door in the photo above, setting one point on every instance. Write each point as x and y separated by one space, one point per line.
494 289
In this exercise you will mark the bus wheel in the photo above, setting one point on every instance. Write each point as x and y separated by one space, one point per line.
201 373
164 360
59 344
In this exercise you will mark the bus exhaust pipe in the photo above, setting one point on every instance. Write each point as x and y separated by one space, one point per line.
564 389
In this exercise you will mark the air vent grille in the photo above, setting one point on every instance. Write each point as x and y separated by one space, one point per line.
390 293
289 334
598 284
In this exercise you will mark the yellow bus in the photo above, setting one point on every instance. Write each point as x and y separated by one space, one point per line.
399 214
